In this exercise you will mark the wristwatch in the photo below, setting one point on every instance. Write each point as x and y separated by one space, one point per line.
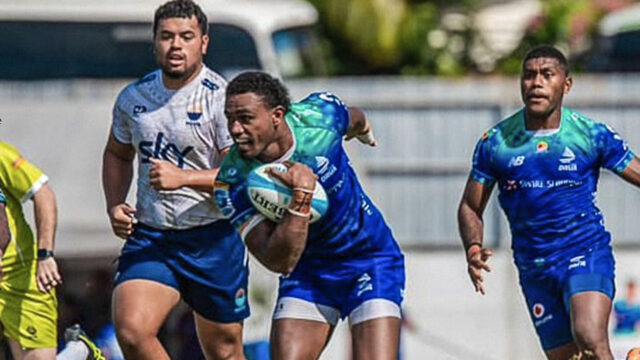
44 253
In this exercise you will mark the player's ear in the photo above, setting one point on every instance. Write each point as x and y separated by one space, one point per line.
278 115
568 82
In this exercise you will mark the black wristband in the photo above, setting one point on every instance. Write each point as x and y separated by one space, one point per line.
44 253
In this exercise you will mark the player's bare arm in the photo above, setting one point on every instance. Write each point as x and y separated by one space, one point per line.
164 175
46 218
117 172
360 128
632 172
279 246
471 226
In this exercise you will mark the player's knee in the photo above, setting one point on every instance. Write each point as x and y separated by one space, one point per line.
591 339
225 347
131 335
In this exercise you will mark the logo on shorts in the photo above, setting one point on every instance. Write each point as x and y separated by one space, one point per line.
538 310
577 262
364 284
32 331
241 300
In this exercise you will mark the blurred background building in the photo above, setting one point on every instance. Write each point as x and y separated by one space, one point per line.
431 75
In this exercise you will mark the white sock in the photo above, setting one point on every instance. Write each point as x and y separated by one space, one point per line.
74 350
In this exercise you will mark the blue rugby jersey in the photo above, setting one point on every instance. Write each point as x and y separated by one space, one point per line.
352 224
548 180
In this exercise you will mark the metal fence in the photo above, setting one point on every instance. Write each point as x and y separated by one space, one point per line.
427 129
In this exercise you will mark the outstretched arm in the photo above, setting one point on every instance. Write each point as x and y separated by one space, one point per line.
360 128
471 226
279 246
632 172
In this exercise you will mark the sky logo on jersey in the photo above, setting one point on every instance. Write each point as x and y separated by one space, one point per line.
542 146
566 161
158 150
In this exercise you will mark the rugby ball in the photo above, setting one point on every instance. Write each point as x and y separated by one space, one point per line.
634 354
271 197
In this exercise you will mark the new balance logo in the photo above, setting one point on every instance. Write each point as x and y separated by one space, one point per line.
516 161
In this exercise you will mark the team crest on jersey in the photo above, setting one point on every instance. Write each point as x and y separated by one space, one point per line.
193 116
223 200
542 146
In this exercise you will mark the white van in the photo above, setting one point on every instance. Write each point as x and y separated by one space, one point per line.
45 39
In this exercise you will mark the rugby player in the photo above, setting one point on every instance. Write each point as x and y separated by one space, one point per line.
177 245
348 263
545 160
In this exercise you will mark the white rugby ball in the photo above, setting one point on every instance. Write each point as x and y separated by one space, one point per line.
271 197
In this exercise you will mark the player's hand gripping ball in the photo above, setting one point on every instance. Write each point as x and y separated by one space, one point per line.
271 197
634 354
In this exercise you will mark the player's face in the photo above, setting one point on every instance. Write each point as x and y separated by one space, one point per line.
253 126
179 46
543 84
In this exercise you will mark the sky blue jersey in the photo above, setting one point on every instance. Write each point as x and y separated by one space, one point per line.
352 224
548 180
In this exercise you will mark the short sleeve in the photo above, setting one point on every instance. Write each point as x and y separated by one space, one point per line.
614 152
482 170
120 124
18 176
234 204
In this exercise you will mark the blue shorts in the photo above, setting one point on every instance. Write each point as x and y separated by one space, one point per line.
548 291
344 284
206 264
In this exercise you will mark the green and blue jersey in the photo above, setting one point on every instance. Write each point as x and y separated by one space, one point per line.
548 181
352 224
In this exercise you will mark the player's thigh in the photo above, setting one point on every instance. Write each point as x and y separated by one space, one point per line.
376 339
141 306
590 312
20 353
299 339
219 340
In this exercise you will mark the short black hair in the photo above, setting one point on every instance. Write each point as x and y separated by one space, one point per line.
272 91
182 9
547 51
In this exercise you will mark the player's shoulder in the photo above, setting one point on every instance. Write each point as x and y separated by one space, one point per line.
8 149
234 168
138 87
212 80
318 109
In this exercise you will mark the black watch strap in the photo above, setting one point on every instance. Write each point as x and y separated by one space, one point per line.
44 253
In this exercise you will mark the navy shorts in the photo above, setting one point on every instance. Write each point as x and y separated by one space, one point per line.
344 284
548 292
206 264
